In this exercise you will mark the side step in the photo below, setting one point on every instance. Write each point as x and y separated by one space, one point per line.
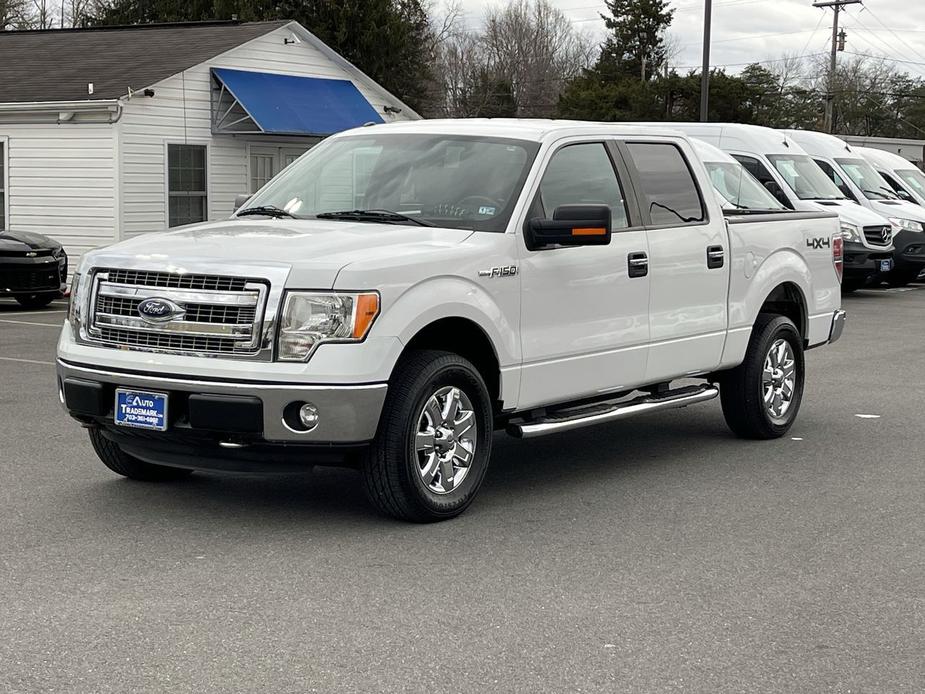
567 420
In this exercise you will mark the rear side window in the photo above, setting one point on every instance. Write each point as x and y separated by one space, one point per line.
668 188
583 174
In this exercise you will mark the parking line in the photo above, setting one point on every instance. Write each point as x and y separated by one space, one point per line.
25 322
27 361
33 313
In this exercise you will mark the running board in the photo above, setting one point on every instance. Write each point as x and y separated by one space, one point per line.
553 424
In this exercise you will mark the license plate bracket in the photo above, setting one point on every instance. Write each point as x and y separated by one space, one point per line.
140 409
886 265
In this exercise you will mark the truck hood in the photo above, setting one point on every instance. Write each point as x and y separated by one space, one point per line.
313 250
852 213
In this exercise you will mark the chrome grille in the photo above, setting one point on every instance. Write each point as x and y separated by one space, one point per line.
878 235
210 314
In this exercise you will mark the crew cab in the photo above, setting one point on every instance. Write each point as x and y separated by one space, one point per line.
403 291
790 174
858 180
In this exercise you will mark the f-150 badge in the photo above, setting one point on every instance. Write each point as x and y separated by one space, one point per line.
500 271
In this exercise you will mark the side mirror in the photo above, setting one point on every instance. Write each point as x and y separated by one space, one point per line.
239 201
571 225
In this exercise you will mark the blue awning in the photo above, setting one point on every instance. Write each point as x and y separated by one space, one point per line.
261 102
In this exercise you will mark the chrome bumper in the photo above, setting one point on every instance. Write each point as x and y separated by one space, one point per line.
348 413
838 325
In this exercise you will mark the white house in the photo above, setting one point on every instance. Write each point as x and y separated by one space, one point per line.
110 132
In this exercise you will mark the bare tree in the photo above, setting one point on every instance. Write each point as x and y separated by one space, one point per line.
534 47
13 14
40 14
76 13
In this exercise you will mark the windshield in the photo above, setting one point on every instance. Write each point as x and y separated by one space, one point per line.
913 178
864 177
806 179
739 188
441 180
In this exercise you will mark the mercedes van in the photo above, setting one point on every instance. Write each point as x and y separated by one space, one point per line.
858 180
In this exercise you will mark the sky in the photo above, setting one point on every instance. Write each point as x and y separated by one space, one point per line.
762 30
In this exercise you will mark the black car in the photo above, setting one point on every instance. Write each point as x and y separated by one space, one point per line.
33 268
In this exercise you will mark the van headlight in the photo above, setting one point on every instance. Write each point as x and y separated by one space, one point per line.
850 232
313 318
906 224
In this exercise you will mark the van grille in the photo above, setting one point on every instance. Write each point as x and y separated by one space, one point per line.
879 235
208 314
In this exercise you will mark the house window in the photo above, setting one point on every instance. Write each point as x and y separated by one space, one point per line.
186 179
2 186
262 170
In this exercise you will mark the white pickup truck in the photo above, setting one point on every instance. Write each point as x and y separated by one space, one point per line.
402 291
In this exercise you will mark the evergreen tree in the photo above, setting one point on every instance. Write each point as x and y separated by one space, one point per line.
636 45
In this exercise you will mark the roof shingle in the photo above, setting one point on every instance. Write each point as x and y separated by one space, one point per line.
57 65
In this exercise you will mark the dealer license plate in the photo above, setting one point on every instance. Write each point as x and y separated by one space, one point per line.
138 408
886 265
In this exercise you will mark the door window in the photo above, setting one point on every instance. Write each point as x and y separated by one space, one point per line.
668 188
582 174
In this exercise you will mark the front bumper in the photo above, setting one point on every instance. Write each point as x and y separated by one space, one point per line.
838 325
910 249
225 413
28 276
861 261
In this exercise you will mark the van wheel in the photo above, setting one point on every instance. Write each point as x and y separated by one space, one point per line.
35 300
129 466
432 449
761 396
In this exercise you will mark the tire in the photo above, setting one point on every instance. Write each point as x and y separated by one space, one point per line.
128 466
743 389
902 276
35 300
403 471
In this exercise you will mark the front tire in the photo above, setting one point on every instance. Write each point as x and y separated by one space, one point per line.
761 396
35 301
129 466
432 449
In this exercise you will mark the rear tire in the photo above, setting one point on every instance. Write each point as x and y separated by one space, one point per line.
35 300
761 396
432 449
129 466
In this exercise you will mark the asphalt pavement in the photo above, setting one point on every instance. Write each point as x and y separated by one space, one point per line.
655 554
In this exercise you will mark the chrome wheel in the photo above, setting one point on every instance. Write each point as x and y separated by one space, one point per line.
445 439
778 380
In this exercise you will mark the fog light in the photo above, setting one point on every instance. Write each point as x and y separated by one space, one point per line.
308 415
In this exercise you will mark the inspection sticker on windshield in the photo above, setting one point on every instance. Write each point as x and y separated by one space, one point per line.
135 408
484 209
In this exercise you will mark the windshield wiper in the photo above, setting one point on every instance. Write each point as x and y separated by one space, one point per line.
386 216
878 193
267 211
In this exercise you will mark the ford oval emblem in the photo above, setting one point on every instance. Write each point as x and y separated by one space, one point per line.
157 310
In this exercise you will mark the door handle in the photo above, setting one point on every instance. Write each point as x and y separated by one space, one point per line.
637 264
715 257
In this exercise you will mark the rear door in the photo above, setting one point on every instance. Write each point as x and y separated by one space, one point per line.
688 262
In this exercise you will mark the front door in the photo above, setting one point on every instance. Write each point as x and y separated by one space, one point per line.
584 320
688 263
265 162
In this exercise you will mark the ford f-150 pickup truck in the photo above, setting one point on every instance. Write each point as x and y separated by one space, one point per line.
403 291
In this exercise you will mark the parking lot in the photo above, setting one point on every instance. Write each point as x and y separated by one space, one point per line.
659 553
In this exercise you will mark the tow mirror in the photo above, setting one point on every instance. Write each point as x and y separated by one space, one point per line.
571 225
239 201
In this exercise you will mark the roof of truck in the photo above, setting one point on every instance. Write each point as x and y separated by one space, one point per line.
531 129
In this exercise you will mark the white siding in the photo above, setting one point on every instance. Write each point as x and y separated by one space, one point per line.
62 182
148 124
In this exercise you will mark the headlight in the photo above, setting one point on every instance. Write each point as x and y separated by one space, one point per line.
73 305
850 232
906 224
310 319
59 254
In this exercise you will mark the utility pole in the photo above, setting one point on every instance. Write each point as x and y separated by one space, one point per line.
836 6
705 75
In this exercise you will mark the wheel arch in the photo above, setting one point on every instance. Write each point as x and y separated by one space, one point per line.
787 299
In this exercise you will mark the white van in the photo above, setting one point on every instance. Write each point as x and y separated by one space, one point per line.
787 171
857 179
903 176
735 187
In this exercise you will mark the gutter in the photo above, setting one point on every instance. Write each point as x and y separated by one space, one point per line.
66 109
